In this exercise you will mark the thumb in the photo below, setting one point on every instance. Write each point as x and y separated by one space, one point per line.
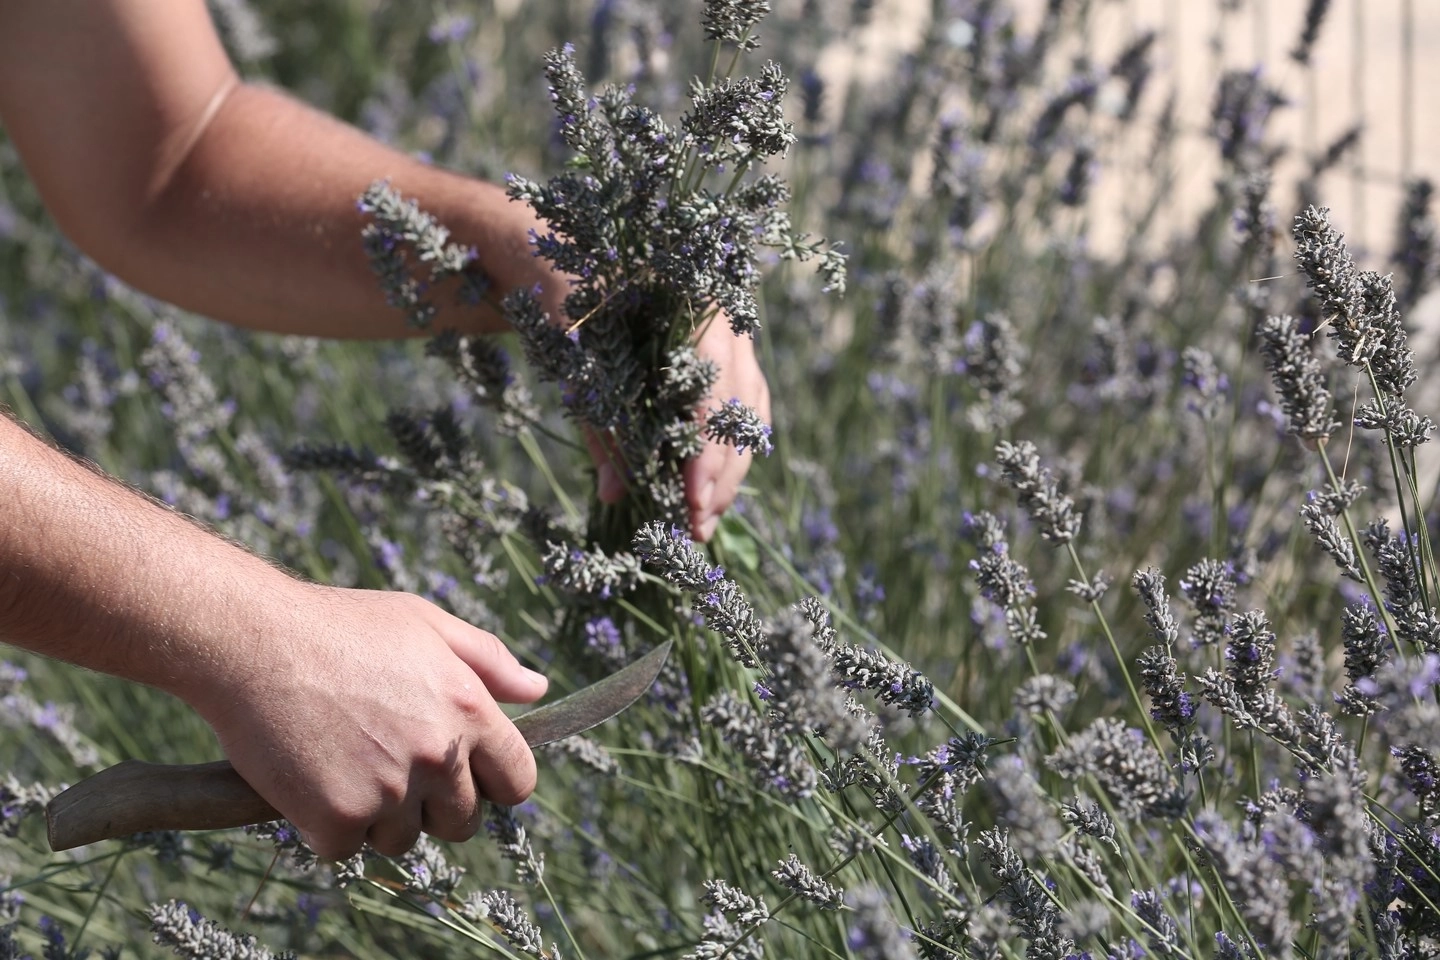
504 676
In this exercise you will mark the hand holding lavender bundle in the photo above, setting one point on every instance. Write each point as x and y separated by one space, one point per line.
657 229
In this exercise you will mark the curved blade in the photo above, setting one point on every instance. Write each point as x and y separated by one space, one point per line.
593 705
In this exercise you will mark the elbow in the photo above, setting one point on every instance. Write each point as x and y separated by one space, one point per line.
123 218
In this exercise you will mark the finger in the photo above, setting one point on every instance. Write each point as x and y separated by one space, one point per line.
702 477
453 811
396 832
332 844
609 477
727 487
504 676
503 765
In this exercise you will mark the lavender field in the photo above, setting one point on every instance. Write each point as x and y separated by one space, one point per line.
1081 601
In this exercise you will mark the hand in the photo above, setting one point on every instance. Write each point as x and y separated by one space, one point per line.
372 716
712 479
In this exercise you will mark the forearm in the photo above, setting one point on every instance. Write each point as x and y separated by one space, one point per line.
97 575
258 225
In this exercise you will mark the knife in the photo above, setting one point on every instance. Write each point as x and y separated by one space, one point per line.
134 796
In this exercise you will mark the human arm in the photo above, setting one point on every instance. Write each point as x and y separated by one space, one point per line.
357 714
237 201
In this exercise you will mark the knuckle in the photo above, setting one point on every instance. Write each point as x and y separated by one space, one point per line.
332 847
504 767
518 774
471 701
392 792
392 846
493 646
344 817
414 604
457 825
436 758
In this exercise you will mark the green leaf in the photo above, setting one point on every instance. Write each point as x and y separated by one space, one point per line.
735 545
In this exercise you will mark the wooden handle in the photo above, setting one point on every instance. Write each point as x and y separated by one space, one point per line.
135 796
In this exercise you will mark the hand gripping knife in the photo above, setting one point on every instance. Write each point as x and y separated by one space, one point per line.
135 796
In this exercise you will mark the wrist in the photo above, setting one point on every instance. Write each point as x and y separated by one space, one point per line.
234 631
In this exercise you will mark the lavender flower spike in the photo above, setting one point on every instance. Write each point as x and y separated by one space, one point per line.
741 427
182 929
795 876
1039 491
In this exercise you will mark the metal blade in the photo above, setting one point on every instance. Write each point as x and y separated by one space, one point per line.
592 705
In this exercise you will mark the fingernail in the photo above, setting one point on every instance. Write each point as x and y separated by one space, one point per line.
610 486
533 676
707 528
707 493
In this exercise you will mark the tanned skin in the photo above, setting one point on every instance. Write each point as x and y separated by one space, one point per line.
359 715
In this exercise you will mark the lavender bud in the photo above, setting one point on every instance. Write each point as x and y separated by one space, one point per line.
590 573
734 903
1044 694
1396 559
873 931
801 690
1164 684
741 427
485 366
1417 244
398 225
1336 501
731 20
894 682
1366 650
1304 396
1150 585
185 931
1422 775
719 600
1360 308
1315 13
1242 108
799 879
1030 909
776 762
19 802
427 872
1326 531
1039 492
514 844
1250 654
1127 765
1255 881
1089 819
587 753
1093 591
744 113
1202 376
499 909
1210 587
1162 932
1002 580
993 356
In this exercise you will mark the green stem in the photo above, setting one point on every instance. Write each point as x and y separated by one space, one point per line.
90 911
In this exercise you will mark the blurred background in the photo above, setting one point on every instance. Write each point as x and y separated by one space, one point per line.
1377 67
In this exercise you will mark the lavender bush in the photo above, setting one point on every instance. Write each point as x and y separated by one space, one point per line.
1084 607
